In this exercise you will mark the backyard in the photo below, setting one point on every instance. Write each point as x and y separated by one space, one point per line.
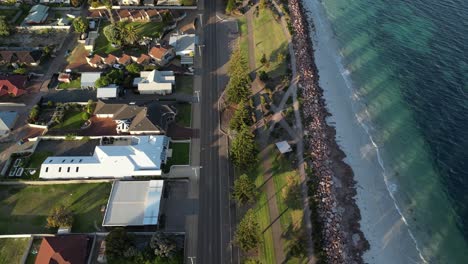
180 155
24 209
269 40
73 84
12 249
72 120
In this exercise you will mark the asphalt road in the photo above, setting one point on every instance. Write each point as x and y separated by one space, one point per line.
216 214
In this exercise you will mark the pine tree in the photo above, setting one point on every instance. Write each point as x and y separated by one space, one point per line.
243 149
242 116
248 232
244 190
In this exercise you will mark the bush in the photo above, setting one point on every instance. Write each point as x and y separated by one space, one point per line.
85 116
248 232
117 243
20 71
244 190
60 216
263 76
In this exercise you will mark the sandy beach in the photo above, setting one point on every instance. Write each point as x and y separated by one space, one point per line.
382 225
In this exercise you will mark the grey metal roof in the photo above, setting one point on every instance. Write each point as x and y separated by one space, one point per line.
7 120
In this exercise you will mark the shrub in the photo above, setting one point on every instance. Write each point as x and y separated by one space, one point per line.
85 116
60 216
263 76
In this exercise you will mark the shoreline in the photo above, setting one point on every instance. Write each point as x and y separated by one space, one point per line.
387 236
342 238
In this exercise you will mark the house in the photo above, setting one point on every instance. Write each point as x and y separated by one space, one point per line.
125 59
134 203
88 79
162 55
129 2
184 45
109 92
63 249
55 2
155 82
143 59
110 59
95 61
99 14
7 121
148 2
13 85
37 15
153 118
64 77
27 57
124 15
114 158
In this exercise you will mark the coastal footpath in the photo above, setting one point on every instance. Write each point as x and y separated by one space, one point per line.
333 185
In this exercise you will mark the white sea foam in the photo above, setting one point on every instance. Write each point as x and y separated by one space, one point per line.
357 105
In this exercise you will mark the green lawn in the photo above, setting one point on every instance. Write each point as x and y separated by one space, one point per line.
184 114
12 249
35 161
288 200
184 84
180 155
102 46
266 249
24 209
72 120
73 84
148 29
270 40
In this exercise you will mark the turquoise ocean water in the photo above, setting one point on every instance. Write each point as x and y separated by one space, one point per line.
408 62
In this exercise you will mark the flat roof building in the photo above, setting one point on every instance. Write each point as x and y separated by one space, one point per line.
143 156
134 203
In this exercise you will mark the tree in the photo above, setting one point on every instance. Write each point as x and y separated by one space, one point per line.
231 5
20 71
244 190
162 245
102 82
80 24
34 113
85 116
243 149
242 116
248 232
134 68
108 5
263 60
112 34
89 106
263 4
263 76
4 27
60 216
129 34
75 3
117 243
238 88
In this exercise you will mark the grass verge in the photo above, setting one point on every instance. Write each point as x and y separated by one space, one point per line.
184 114
270 40
24 209
180 155
184 84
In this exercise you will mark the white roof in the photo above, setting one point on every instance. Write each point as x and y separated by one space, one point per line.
107 92
283 147
89 78
183 43
155 80
134 203
143 157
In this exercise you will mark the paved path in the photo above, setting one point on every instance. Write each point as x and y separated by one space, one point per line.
275 226
296 133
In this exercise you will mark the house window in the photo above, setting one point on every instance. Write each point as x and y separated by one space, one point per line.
63 161
68 169
80 160
47 169
60 169
77 169
71 161
50 160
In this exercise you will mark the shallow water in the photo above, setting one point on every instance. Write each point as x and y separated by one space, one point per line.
407 62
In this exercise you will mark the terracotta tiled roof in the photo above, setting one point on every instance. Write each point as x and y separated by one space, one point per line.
110 59
63 250
143 58
13 85
124 13
96 59
158 52
124 59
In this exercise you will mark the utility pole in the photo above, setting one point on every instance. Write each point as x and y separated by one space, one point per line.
191 259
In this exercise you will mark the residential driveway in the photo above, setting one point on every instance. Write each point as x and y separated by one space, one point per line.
175 131
68 147
175 205
100 127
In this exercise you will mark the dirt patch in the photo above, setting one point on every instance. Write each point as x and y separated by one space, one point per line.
35 39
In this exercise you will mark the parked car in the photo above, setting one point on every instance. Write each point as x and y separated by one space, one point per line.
118 66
